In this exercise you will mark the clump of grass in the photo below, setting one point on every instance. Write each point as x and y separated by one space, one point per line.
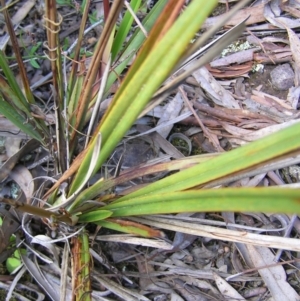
77 101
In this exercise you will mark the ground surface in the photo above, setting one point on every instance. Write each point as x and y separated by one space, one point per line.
197 267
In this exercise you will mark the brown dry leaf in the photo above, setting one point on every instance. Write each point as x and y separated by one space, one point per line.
273 53
123 293
8 129
161 142
187 291
12 161
214 90
219 233
226 289
231 71
23 11
233 115
68 173
295 48
234 58
237 132
281 57
135 240
16 19
291 10
256 14
273 101
9 227
273 276
258 104
144 268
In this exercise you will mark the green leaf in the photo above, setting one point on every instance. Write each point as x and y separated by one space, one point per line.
12 80
81 269
93 17
35 48
14 262
12 92
102 185
228 163
94 216
124 29
34 63
18 119
135 42
128 227
74 97
62 2
140 84
138 87
211 200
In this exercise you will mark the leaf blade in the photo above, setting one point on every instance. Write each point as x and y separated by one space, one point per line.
251 154
139 87
210 200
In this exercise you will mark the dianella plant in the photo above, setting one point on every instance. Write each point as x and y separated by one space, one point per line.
146 65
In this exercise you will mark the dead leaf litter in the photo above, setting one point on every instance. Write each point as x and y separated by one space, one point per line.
250 90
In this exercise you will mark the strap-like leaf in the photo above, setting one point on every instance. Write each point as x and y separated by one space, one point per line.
210 200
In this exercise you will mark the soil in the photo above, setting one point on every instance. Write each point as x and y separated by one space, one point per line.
263 80
192 254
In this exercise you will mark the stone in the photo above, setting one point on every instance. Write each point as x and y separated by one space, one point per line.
282 77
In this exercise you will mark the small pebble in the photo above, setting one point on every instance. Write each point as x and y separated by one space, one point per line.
282 77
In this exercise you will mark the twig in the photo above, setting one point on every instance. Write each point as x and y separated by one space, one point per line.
140 25
204 129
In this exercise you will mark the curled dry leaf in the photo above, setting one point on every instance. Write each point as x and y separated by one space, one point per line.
12 146
231 71
295 48
42 278
272 14
240 134
171 110
46 242
22 176
293 96
274 276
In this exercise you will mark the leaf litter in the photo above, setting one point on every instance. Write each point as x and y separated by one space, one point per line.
236 103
